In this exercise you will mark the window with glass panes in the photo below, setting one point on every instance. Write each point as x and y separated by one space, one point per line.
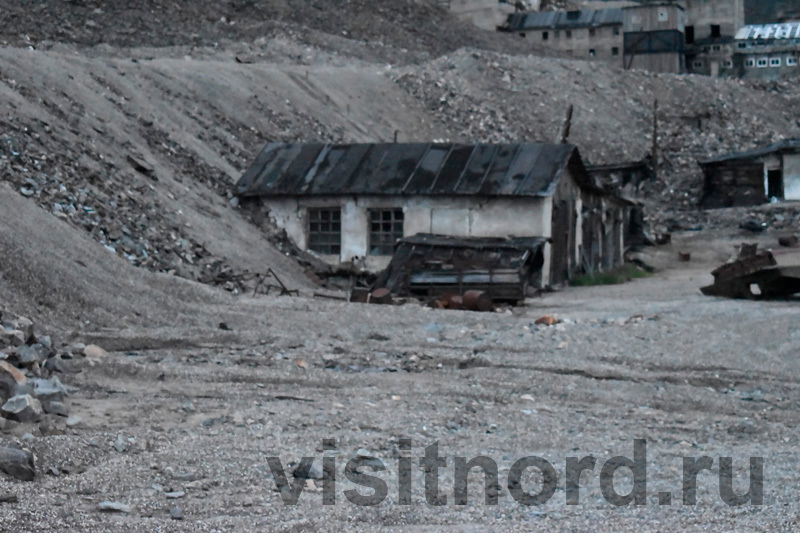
325 231
385 228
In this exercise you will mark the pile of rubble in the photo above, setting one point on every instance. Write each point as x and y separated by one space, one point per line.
30 391
131 221
29 387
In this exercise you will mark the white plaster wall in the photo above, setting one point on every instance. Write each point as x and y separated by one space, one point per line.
791 176
463 217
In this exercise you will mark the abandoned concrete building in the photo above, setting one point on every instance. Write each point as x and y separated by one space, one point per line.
769 51
352 203
591 34
706 37
753 177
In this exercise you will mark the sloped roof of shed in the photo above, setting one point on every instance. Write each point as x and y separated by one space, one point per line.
786 145
430 169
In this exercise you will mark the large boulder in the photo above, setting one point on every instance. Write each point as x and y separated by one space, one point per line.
22 408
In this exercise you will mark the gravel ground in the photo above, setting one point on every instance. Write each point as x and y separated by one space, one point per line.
182 410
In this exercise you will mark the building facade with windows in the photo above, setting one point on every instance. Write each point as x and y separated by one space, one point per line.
769 51
352 203
590 34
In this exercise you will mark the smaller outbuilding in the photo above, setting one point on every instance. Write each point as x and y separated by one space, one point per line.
434 265
771 173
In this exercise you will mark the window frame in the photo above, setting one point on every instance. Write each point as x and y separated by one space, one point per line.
775 62
387 238
324 241
791 61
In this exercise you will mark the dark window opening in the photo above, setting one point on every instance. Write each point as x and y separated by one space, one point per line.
615 51
325 231
715 31
775 184
385 229
616 30
568 34
522 34
689 34
573 15
592 52
591 32
545 35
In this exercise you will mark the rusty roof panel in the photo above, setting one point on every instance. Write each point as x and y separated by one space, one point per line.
448 169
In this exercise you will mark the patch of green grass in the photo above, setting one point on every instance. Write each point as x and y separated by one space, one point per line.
623 274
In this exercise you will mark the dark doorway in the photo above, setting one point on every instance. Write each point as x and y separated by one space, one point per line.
715 31
689 34
775 184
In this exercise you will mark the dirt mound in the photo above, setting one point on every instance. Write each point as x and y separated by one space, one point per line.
419 25
62 278
479 95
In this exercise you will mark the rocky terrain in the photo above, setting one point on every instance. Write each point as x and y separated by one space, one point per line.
150 384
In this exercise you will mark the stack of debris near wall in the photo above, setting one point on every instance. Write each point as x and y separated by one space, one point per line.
437 265
754 276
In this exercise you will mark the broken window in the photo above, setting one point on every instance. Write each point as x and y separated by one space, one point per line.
592 52
385 229
616 30
545 35
728 64
325 231
568 34
715 31
698 64
615 51
689 34
750 63
791 61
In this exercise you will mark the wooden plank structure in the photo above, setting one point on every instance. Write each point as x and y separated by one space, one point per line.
430 265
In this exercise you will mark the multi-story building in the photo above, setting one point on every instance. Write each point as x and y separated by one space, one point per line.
770 51
591 34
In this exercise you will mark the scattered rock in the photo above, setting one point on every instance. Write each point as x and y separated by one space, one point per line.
74 421
18 464
23 408
175 495
93 351
8 497
49 390
32 354
113 507
55 408
176 513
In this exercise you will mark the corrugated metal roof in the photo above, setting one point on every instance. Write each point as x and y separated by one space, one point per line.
786 145
755 32
411 169
585 18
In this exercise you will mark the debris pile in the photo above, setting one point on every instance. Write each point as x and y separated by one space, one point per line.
754 275
29 387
